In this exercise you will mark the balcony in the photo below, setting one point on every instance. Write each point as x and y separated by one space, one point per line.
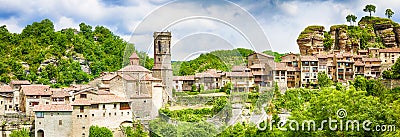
349 72
305 70
258 79
375 70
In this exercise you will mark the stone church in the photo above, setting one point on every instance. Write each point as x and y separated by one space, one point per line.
147 90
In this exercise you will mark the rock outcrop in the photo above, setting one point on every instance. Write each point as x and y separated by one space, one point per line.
311 40
370 32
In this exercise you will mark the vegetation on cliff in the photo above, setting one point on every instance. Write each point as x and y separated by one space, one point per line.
371 31
42 55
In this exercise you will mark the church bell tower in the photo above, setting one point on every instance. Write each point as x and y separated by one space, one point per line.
162 62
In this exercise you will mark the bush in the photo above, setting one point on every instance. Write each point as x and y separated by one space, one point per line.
96 131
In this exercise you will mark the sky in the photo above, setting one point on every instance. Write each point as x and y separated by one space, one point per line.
196 26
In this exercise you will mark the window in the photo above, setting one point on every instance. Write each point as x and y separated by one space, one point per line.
94 106
92 115
60 122
159 46
39 115
115 106
104 106
82 109
83 96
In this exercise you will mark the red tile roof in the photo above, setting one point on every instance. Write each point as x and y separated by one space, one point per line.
110 98
36 90
133 68
108 76
52 107
134 56
149 77
257 66
6 88
390 50
359 63
189 77
60 93
239 74
20 82
321 56
371 59
308 58
81 102
208 73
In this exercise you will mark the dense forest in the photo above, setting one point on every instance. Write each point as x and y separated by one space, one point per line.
45 56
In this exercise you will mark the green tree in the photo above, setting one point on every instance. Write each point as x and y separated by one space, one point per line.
20 133
136 130
194 88
96 131
323 80
351 18
389 13
369 8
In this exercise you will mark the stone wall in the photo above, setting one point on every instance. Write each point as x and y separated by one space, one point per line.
391 83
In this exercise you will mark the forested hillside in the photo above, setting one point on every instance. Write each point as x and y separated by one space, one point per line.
220 60
42 55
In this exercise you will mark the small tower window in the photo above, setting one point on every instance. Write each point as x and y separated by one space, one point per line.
159 46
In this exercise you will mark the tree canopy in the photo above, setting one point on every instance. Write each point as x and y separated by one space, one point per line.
96 131
369 8
389 13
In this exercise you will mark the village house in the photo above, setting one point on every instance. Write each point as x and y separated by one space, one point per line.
53 120
6 100
388 57
241 78
261 66
16 85
183 83
32 95
210 79
101 108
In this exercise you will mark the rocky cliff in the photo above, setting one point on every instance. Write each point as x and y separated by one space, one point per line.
370 32
311 39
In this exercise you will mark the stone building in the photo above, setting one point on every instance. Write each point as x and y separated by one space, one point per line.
280 76
388 57
261 66
99 108
241 78
183 83
293 69
210 79
53 120
162 62
6 100
309 70
16 85
32 95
